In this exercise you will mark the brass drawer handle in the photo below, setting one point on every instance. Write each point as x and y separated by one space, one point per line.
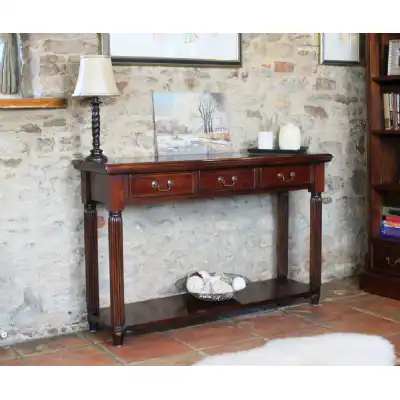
282 176
392 264
155 185
222 180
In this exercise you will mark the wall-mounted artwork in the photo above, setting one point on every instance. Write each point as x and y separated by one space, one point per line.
341 48
181 49
191 123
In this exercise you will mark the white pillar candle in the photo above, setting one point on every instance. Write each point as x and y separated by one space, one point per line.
265 140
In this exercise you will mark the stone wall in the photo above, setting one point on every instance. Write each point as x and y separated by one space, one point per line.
41 237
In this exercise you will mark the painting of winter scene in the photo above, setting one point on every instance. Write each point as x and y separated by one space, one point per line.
191 123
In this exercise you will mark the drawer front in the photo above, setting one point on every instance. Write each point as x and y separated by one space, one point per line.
285 176
386 258
161 184
228 179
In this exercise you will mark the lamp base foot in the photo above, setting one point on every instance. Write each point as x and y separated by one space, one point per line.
97 158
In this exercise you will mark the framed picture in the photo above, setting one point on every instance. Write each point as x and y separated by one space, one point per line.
342 49
178 49
191 123
394 57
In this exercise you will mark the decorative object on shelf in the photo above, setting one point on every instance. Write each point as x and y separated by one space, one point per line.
191 123
212 286
95 79
10 63
289 137
394 58
342 49
178 49
265 140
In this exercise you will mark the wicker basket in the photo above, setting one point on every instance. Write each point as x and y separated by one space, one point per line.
212 297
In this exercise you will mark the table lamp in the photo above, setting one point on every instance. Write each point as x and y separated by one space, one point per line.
95 79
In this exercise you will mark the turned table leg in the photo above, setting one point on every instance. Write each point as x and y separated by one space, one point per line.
116 255
315 246
282 236
91 263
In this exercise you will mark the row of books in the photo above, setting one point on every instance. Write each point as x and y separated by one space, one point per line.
390 226
391 110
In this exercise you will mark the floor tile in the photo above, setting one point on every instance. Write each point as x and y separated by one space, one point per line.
50 345
367 300
82 356
365 323
275 325
174 361
323 313
383 307
97 337
140 348
7 353
340 288
234 347
11 363
212 334
312 331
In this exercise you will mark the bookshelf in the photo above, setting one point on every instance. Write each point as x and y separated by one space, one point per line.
382 273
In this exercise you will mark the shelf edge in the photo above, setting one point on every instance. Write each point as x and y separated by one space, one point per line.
33 103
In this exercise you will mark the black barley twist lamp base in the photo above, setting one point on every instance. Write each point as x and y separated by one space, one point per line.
96 154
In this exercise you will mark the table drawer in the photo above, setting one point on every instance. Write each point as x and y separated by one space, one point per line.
285 176
386 258
228 179
161 184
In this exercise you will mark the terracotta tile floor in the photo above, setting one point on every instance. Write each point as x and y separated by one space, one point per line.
344 308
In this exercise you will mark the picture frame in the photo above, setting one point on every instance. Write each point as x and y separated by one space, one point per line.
173 49
394 57
342 49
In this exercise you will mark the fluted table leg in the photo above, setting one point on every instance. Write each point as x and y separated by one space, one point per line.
116 256
91 263
315 246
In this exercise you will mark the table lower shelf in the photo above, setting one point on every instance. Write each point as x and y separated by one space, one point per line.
183 309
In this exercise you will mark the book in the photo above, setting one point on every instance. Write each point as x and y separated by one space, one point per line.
386 110
392 218
394 211
391 110
389 231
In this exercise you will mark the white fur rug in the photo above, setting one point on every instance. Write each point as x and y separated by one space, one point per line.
340 349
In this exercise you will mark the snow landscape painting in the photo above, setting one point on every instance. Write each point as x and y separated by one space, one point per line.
191 123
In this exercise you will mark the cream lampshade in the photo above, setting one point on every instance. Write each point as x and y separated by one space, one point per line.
95 79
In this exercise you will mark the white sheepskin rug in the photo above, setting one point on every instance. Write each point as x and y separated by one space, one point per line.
340 349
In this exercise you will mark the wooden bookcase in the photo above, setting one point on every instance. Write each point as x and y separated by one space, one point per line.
382 273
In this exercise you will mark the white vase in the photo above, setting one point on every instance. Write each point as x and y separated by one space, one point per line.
289 137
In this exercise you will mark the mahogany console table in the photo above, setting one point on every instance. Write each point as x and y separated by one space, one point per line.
139 181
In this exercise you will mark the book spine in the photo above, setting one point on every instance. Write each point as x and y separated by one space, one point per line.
395 211
391 116
386 110
392 218
395 114
398 110
390 232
